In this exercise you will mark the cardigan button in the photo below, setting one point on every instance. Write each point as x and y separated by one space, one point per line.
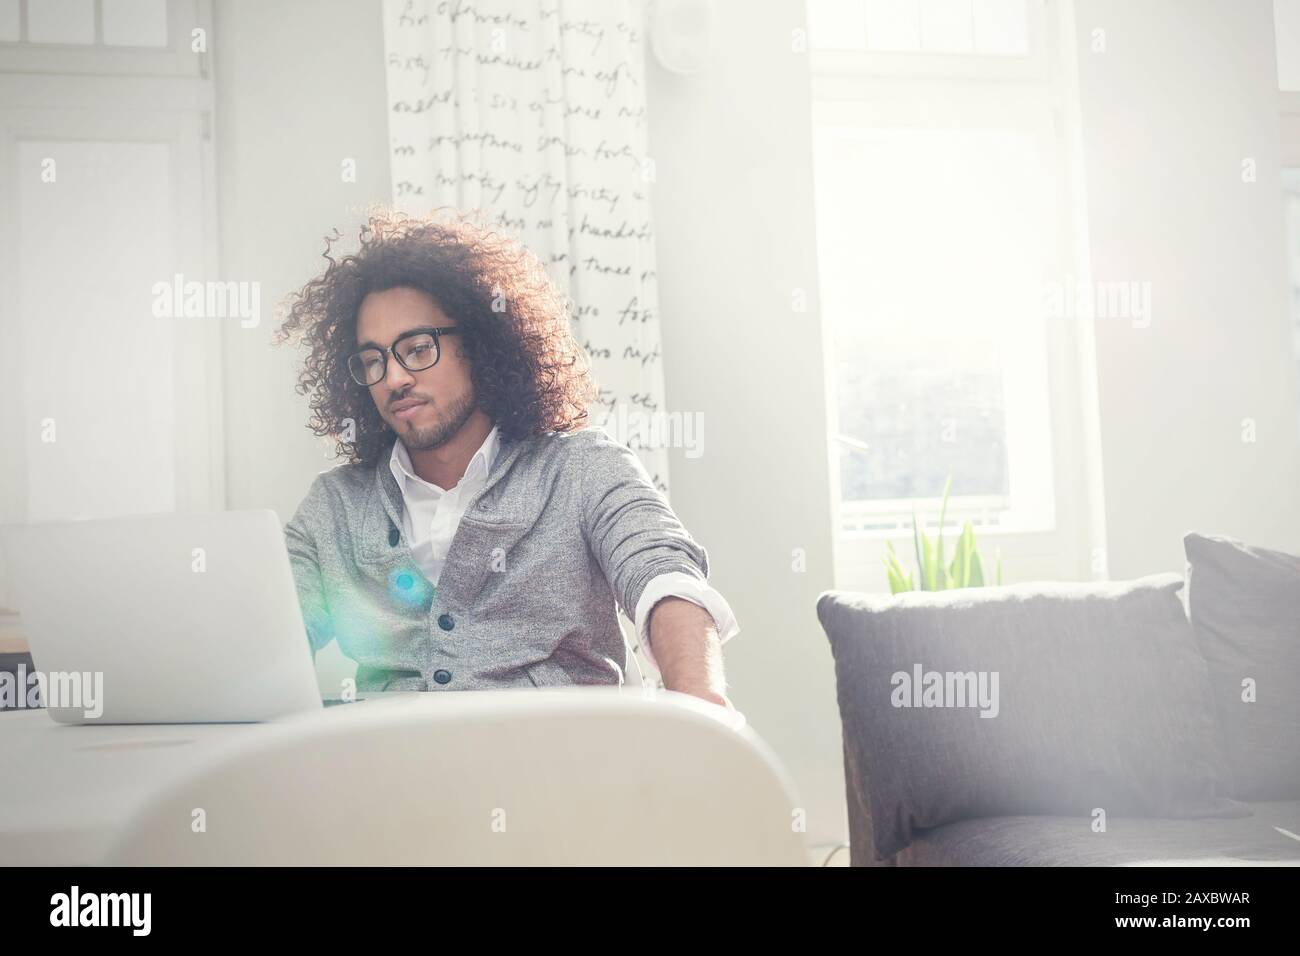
393 537
446 622
442 677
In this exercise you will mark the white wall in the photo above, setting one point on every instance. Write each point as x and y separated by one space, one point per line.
300 88
1185 90
733 206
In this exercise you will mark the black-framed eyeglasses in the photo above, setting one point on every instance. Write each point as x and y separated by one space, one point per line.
416 350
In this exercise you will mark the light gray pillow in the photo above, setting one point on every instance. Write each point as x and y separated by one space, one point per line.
1102 702
1245 609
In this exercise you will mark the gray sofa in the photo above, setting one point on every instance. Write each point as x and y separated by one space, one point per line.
1152 722
1130 841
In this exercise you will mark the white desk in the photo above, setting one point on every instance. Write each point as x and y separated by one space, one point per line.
65 792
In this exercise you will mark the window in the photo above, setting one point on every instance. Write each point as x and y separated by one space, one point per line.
141 38
932 254
943 204
982 27
141 23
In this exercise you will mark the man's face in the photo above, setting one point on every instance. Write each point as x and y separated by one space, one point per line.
426 408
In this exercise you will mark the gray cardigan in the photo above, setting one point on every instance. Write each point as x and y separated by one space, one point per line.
565 525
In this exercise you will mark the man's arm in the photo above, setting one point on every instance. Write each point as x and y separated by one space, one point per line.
306 575
636 538
687 649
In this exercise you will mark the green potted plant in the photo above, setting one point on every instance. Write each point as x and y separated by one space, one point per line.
966 570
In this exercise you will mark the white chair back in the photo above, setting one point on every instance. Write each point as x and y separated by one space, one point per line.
564 776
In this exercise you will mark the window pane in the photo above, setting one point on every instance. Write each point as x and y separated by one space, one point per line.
946 26
837 24
97 393
9 21
894 25
931 246
135 22
986 27
61 21
1001 27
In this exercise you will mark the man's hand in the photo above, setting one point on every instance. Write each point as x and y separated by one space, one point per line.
686 647
720 699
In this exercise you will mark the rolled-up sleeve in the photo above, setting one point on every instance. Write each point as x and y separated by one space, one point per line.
629 526
689 589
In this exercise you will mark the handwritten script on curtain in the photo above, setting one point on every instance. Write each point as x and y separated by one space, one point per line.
533 112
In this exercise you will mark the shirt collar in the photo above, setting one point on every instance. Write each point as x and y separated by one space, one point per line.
479 465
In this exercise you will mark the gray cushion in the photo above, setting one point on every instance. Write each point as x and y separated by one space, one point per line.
1245 609
1103 702
1258 840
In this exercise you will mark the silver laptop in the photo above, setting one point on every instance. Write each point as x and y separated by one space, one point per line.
178 618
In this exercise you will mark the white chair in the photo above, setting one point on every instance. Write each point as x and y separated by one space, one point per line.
565 776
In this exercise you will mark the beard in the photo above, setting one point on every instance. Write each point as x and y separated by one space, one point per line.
437 435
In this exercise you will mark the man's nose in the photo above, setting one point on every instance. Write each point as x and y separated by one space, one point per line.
396 377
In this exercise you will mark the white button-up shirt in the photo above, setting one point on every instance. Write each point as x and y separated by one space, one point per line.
432 515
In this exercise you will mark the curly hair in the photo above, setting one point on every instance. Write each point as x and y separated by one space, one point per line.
530 375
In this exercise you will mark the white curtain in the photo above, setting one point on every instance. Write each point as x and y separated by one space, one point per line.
533 111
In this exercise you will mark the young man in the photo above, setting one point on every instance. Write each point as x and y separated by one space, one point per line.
479 536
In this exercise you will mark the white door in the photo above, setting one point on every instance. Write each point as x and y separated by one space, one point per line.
105 408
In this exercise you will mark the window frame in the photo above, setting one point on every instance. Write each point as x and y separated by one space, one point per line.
173 60
1033 64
